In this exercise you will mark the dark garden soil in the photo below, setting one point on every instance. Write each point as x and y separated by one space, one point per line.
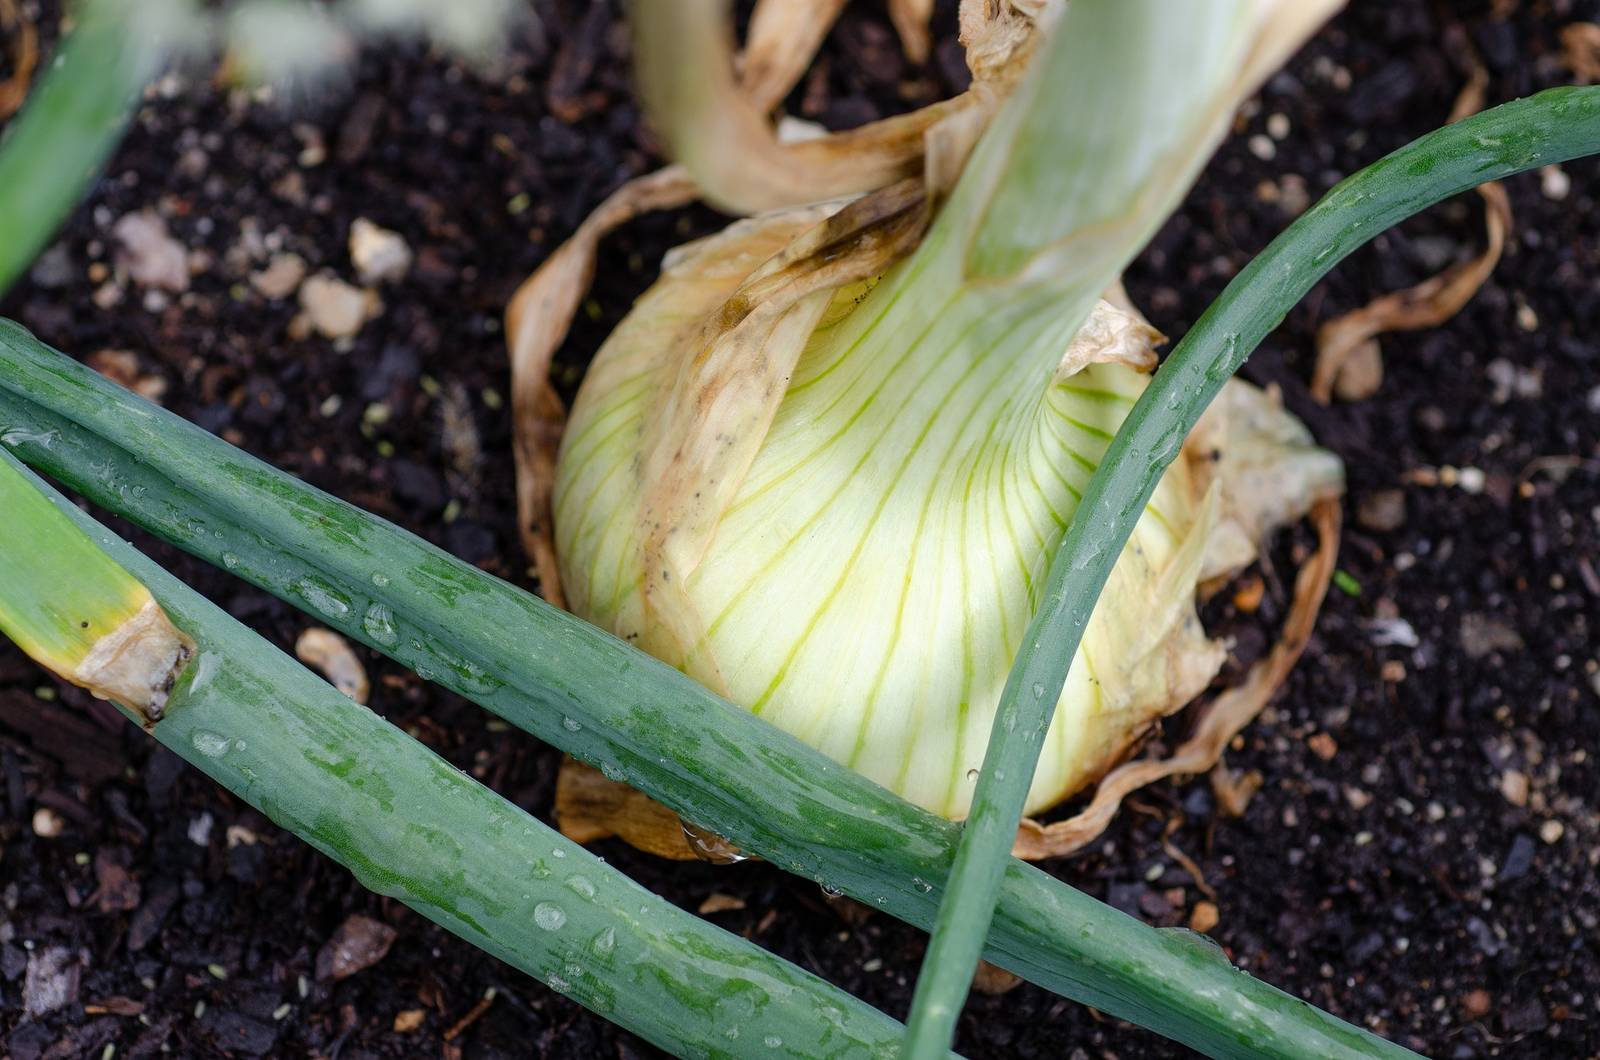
1421 857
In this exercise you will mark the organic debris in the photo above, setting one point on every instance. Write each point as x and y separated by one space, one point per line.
332 654
1349 361
1580 51
359 943
335 308
380 256
1220 721
148 252
281 277
14 89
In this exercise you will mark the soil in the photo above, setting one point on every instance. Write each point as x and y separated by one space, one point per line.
1421 857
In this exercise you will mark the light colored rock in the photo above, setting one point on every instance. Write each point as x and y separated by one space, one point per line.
1482 634
1362 373
380 256
281 277
51 982
149 254
335 308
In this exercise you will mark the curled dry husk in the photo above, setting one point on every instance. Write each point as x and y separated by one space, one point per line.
760 488
1349 362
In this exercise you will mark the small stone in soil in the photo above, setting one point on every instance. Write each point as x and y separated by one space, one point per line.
1382 510
52 981
1514 787
380 256
334 308
148 252
1482 634
281 277
360 942
1323 746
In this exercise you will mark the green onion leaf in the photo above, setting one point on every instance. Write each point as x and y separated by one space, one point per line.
413 827
603 701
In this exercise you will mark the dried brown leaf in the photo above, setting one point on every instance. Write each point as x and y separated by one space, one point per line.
1345 345
1580 51
700 439
537 319
911 18
717 130
1223 719
720 903
24 58
783 38
591 806
992 980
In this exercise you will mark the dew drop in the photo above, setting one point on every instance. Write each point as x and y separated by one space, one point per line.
710 847
972 774
557 852
379 624
549 916
581 885
322 597
605 942
613 771
829 891
230 561
921 884
210 744
1038 691
772 1041
571 724
380 580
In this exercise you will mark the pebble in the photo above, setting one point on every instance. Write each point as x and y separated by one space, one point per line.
1554 183
1323 746
148 252
281 277
1483 634
52 981
1475 1004
1552 831
408 1021
1511 380
1203 917
1514 787
1361 374
1262 147
54 268
122 367
1382 510
380 256
47 823
335 308
359 943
